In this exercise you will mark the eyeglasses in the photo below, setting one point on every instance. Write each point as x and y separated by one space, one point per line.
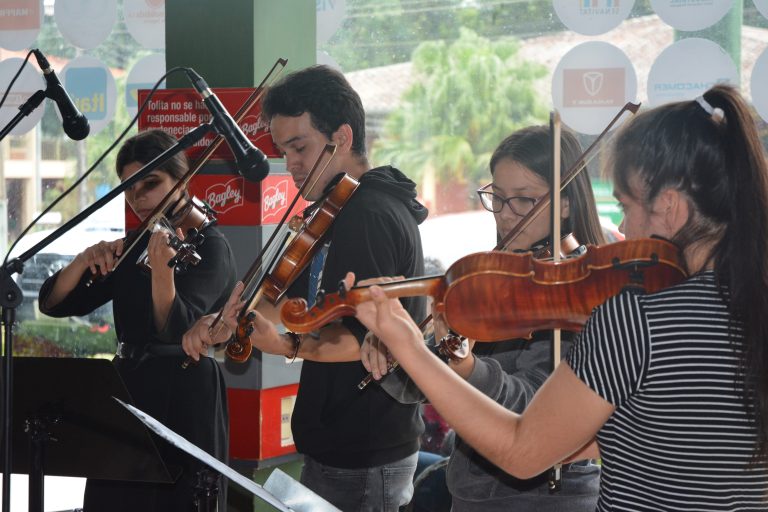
520 205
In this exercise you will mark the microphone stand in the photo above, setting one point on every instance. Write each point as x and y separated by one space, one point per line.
11 297
31 104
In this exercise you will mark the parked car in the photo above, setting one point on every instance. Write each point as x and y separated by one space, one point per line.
106 224
446 238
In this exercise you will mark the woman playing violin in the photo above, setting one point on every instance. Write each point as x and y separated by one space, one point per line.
510 372
673 384
152 311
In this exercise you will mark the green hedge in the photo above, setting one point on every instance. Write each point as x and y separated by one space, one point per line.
63 338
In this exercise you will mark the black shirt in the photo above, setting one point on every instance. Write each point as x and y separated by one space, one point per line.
375 234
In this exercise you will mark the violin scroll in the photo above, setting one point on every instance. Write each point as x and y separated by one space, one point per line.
239 348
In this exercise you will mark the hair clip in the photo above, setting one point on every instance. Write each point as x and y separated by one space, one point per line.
715 112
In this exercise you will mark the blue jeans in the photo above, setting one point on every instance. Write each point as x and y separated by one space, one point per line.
377 489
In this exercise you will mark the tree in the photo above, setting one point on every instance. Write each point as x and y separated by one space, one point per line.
383 32
468 96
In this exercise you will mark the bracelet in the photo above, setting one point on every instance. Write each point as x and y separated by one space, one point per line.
296 339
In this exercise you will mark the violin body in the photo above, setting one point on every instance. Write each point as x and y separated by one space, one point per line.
308 240
192 218
298 253
495 296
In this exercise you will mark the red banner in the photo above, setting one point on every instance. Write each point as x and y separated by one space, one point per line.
20 15
178 111
238 202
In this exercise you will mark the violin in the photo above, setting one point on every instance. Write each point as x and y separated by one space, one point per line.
304 244
270 277
192 216
158 214
495 296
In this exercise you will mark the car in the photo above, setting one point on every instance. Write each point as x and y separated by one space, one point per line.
106 224
446 238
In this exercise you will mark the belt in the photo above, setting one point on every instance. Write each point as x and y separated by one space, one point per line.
137 352
582 463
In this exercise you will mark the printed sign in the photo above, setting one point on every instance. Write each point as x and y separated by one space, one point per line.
143 75
590 85
757 85
20 22
762 7
85 23
92 88
691 15
30 81
145 21
677 73
177 111
592 17
330 16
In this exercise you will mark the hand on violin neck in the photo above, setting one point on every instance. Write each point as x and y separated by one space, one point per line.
390 322
232 308
199 337
160 251
375 356
263 335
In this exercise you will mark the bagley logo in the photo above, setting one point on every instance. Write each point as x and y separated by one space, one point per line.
251 125
602 87
274 200
222 197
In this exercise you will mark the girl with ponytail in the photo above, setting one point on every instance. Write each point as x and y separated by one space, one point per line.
673 385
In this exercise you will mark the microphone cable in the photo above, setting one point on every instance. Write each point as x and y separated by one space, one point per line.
98 160
15 77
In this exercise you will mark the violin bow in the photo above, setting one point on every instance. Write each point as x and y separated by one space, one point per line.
554 480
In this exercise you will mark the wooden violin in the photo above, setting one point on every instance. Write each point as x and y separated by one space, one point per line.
495 296
301 248
191 215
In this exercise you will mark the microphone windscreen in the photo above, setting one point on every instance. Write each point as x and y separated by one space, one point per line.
254 166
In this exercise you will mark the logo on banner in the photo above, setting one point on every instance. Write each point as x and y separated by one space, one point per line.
252 125
88 88
597 7
274 200
222 197
20 15
594 87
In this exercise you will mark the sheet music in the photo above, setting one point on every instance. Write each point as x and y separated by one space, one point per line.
205 457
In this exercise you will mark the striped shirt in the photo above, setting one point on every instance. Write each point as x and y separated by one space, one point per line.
680 438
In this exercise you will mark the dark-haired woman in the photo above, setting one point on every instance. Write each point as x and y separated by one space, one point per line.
152 310
674 384
510 372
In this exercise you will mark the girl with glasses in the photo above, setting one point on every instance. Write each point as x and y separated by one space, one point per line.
510 372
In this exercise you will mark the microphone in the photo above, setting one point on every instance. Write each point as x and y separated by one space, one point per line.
251 162
75 123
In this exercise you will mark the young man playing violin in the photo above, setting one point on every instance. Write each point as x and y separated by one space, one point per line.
360 447
510 372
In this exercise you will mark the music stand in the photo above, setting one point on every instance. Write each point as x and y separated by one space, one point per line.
282 492
65 423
